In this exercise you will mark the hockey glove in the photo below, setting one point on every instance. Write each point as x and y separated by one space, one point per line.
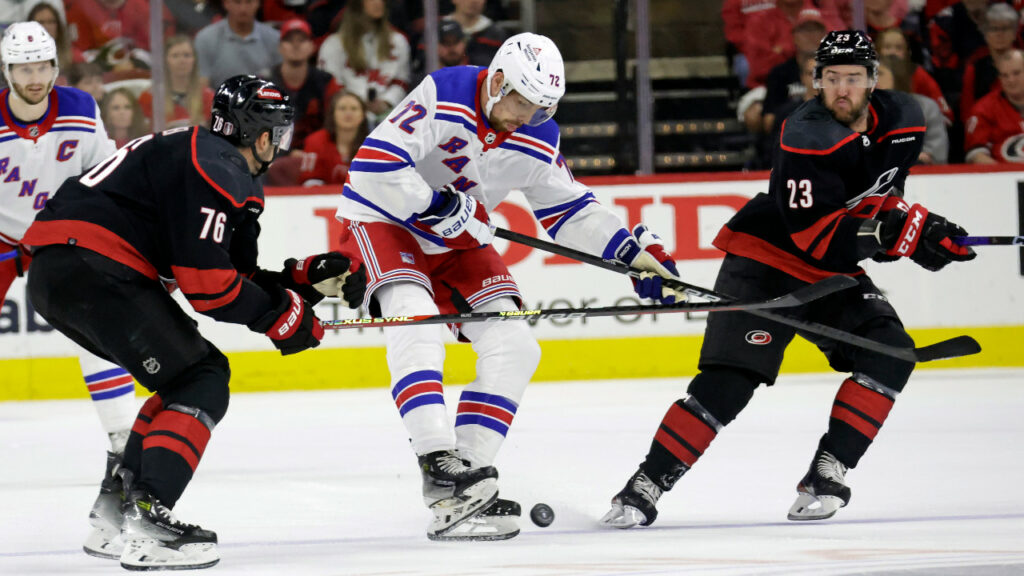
925 237
291 325
645 250
458 219
330 274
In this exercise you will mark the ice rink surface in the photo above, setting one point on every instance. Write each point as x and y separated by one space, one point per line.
324 483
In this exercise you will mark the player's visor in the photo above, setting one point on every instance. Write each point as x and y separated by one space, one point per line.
541 116
282 136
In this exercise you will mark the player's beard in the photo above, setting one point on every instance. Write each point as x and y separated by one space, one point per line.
856 110
26 99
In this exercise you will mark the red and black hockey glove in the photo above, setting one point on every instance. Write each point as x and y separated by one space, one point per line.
924 237
291 324
331 274
458 219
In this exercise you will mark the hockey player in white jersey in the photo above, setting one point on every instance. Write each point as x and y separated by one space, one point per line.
48 135
415 205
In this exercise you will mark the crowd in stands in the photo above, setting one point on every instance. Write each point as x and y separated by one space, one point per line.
959 58
345 63
342 58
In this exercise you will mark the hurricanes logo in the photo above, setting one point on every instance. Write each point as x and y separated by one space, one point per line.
151 365
758 337
1013 148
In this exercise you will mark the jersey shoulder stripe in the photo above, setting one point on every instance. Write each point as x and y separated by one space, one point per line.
456 85
380 156
72 102
540 142
810 129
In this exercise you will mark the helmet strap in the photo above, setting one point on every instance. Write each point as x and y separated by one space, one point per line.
264 164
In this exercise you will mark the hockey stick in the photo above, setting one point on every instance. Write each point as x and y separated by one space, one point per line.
952 348
795 298
989 240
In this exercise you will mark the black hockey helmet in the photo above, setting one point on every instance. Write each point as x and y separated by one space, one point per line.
246 106
846 47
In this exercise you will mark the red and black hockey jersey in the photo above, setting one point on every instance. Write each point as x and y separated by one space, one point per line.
825 178
179 205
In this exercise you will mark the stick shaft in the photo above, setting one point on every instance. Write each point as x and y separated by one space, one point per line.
990 240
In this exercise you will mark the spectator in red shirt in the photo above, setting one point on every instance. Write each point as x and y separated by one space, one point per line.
309 88
111 27
772 43
892 43
995 130
187 99
735 16
980 75
329 151
954 36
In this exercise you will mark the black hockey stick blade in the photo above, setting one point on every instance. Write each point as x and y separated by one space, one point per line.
960 346
989 240
952 348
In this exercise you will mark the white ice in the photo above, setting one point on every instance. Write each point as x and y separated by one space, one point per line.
324 483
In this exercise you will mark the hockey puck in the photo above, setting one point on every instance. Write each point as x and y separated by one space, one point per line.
542 515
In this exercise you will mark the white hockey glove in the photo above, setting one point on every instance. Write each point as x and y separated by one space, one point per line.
458 219
645 250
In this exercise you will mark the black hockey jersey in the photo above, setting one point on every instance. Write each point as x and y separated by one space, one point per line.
825 178
178 205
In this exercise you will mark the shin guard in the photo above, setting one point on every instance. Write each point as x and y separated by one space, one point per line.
684 434
858 412
172 449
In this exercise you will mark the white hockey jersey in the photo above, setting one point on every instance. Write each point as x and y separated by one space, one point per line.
36 157
438 135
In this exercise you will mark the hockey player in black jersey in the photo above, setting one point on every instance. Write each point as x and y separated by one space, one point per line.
833 200
180 209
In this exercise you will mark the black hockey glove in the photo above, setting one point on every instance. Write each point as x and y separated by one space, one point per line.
330 274
291 324
925 237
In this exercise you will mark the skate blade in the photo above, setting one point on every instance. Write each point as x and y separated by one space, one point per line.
103 543
144 555
810 507
623 517
482 528
450 512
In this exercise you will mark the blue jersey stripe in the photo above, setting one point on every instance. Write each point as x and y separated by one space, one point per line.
528 151
481 420
456 119
364 166
105 375
389 147
415 378
565 218
348 192
582 200
492 399
424 400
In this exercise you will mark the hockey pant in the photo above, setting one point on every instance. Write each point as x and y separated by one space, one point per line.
507 356
111 387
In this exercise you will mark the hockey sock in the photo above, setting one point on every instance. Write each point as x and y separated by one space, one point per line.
113 394
133 449
172 449
507 357
858 412
415 357
685 433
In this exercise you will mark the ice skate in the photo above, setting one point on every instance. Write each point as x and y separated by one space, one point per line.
499 521
822 491
634 504
155 540
453 491
105 539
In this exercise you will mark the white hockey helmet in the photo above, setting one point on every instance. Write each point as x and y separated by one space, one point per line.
533 67
26 42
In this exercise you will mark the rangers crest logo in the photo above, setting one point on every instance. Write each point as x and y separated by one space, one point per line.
269 93
151 365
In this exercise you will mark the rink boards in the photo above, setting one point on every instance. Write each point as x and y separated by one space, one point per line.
981 298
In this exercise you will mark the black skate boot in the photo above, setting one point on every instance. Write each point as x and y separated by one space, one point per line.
105 539
822 491
499 521
155 540
634 504
453 491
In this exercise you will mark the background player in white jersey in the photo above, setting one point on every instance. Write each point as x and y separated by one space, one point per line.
416 207
50 134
